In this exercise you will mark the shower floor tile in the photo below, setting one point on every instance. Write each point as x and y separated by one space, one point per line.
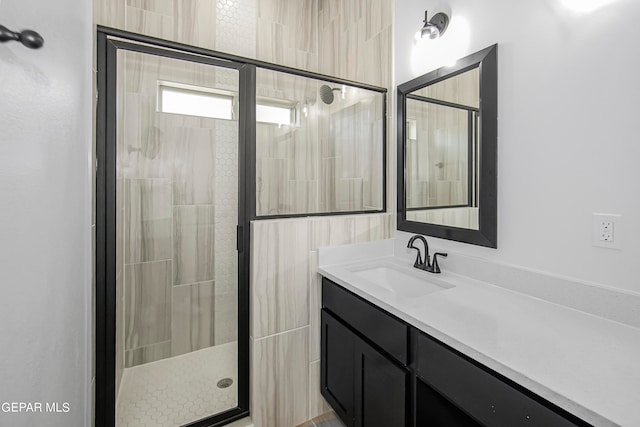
173 392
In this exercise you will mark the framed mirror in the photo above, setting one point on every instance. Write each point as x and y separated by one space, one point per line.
447 151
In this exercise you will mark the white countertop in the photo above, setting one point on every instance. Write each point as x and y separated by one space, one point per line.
583 363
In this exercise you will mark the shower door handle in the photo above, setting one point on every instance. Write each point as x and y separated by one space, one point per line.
239 238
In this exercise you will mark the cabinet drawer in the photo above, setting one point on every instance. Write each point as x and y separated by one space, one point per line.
484 396
387 332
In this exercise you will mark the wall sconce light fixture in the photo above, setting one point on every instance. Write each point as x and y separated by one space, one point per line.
434 27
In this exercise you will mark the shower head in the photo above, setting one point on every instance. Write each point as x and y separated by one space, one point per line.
326 93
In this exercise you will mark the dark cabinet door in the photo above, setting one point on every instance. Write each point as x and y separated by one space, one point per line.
337 367
380 389
364 387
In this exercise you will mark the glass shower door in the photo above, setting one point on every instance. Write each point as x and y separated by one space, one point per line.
176 258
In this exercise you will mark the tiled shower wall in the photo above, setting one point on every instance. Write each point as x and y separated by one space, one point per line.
177 215
350 39
330 160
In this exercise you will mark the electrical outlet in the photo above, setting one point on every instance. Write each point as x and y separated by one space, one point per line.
605 233
606 230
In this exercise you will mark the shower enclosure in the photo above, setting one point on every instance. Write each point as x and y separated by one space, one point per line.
173 289
192 145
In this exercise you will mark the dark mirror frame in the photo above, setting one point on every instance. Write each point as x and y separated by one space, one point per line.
487 62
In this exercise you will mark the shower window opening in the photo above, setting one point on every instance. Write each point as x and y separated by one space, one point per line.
189 100
277 112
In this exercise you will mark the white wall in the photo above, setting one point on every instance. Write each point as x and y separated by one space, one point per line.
569 108
45 214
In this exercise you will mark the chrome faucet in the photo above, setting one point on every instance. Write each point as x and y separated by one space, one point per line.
425 265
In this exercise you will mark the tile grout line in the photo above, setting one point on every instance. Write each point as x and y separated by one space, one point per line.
280 333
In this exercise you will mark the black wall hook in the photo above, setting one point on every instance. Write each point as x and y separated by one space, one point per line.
29 38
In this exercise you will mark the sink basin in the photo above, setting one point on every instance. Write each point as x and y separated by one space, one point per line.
399 280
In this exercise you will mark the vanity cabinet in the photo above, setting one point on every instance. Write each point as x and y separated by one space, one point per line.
364 383
376 370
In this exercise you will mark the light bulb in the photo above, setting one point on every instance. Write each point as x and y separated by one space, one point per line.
430 31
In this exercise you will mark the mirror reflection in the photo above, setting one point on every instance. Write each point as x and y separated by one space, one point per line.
447 151
442 152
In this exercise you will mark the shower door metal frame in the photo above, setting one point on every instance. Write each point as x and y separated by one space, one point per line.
109 42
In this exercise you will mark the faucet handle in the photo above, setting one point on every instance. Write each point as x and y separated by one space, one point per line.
435 267
418 263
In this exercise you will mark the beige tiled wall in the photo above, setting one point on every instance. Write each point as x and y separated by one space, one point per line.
287 33
285 291
347 39
355 39
454 217
223 25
